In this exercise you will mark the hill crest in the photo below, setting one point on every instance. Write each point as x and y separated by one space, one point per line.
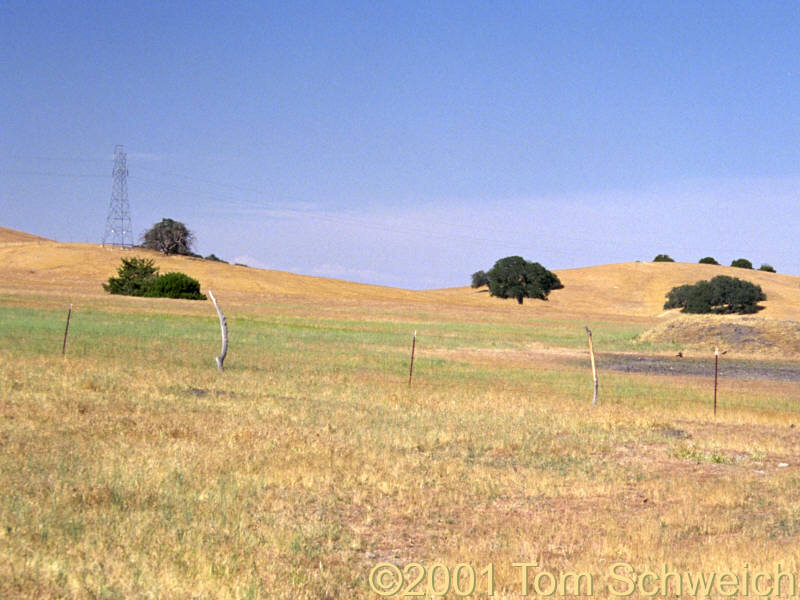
12 236
31 264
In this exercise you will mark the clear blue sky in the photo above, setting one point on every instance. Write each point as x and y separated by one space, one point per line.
411 143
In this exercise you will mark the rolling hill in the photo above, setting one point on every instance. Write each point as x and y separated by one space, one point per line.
31 265
12 236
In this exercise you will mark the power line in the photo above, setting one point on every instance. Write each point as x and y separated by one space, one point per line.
282 211
50 174
278 211
233 201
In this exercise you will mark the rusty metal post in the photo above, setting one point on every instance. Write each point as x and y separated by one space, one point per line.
413 348
66 332
716 371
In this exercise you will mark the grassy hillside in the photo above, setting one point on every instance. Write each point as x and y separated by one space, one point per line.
132 468
81 268
12 236
628 290
639 288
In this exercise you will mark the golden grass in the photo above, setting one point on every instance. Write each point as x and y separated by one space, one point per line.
133 469
12 236
631 290
640 288
132 479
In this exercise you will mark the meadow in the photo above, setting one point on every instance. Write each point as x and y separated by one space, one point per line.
310 468
132 468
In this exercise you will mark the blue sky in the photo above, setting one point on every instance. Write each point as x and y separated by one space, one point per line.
408 143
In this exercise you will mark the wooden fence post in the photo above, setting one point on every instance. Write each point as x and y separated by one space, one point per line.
223 324
594 367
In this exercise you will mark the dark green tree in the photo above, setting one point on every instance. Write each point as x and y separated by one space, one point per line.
708 260
169 237
677 296
721 295
663 258
515 277
699 298
767 268
134 277
742 263
480 279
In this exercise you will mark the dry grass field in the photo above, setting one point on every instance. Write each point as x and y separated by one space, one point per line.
309 468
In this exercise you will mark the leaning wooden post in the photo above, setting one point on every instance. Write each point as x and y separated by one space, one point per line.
413 348
594 367
223 324
716 370
66 332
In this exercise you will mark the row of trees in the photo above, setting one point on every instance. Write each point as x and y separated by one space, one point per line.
742 263
515 277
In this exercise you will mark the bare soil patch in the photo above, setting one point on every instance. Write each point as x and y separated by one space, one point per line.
735 333
730 368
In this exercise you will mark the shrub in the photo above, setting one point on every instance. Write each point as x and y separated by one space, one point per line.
767 268
708 260
134 277
175 285
663 258
515 277
742 263
721 295
139 277
215 258
479 279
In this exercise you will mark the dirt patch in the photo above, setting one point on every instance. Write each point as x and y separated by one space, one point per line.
679 434
202 392
692 367
733 367
734 333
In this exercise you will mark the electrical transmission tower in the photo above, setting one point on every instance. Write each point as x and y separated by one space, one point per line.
118 224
